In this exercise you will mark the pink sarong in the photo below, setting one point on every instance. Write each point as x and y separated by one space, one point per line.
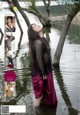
46 88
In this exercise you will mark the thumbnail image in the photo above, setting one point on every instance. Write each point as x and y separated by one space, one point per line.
9 24
8 39
9 89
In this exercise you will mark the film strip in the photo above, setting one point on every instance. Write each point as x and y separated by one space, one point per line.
9 39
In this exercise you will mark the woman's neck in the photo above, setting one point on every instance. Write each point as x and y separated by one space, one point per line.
41 34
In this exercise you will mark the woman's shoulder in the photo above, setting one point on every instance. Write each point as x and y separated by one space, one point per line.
45 40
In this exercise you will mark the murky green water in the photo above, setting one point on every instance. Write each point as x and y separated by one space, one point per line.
66 79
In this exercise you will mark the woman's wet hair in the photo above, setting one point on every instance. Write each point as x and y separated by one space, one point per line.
9 17
32 35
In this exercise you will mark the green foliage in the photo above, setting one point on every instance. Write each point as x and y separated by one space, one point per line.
32 2
26 60
32 5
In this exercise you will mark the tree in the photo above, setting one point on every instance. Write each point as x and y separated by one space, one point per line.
64 32
15 2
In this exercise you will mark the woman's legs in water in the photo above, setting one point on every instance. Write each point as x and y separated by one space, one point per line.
44 88
37 83
37 101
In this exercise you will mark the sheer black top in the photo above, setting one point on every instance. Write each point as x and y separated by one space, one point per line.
41 57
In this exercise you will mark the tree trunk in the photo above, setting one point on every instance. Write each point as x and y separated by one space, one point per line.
47 4
1 36
64 32
22 12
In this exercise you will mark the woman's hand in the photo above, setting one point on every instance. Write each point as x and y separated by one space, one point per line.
44 77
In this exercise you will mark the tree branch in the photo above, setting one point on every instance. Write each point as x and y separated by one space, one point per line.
46 7
41 18
21 11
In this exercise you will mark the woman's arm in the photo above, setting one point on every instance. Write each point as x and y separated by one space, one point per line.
38 48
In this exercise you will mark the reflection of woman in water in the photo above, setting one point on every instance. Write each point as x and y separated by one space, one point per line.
42 78
10 24
44 110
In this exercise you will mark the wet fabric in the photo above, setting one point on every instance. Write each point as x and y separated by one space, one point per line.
41 57
42 66
9 76
46 88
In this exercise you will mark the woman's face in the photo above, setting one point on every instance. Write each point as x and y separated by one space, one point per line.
36 28
9 22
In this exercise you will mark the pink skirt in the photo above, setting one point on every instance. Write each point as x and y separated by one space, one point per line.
45 88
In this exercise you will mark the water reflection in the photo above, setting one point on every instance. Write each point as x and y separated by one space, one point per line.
44 110
64 93
73 32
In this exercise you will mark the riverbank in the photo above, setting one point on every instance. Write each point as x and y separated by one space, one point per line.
75 21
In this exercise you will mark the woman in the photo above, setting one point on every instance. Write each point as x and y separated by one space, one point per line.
42 78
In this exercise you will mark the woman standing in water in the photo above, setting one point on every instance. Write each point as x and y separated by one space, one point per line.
42 78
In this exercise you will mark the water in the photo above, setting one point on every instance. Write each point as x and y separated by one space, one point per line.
66 80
